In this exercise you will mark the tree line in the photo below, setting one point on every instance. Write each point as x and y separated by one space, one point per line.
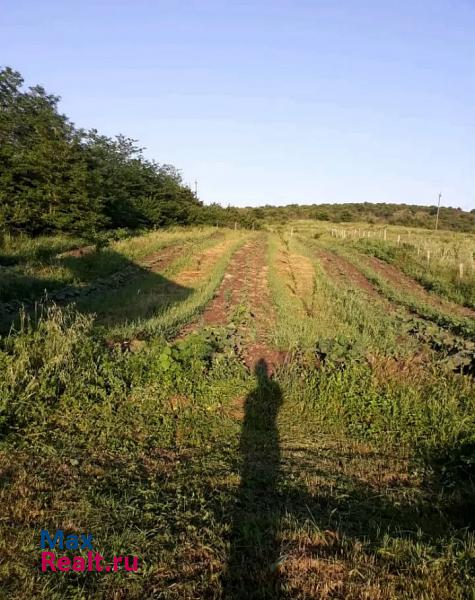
55 177
408 215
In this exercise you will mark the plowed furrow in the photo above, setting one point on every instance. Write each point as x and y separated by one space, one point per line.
403 283
245 284
344 273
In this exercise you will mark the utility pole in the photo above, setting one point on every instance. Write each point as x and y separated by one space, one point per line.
196 189
438 210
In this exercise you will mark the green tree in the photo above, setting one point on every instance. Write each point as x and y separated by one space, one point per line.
42 167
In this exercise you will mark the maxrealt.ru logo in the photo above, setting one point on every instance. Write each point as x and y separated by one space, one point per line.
91 561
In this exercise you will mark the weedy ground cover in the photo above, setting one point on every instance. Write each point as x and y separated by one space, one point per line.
429 306
347 473
128 281
441 261
31 267
20 249
445 267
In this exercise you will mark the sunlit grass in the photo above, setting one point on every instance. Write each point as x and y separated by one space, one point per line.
363 439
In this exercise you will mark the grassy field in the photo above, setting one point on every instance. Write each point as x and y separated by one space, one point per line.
273 414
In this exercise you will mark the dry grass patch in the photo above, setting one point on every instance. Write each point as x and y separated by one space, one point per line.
410 368
299 273
202 264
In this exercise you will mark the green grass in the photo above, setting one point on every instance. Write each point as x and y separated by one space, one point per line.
97 436
463 326
347 475
337 312
440 274
37 265
408 249
23 249
344 317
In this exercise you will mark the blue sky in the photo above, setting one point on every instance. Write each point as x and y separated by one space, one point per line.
269 101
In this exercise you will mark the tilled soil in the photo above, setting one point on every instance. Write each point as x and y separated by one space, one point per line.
245 283
343 272
262 312
161 260
405 284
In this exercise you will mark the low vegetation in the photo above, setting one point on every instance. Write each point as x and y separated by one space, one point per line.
253 414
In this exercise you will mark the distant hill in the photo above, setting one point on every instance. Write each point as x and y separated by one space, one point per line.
55 177
392 214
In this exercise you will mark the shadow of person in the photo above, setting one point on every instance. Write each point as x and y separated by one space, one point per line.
254 551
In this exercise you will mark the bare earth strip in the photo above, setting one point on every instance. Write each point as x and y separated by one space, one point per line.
218 311
245 281
262 310
231 290
405 284
161 260
341 271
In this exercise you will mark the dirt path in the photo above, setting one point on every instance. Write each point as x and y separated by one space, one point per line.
406 284
262 311
162 259
343 272
245 284
228 296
